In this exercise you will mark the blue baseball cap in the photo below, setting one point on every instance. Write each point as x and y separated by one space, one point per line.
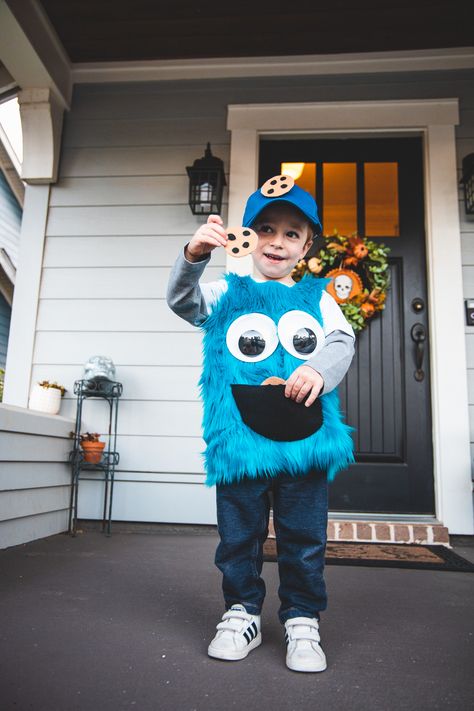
297 197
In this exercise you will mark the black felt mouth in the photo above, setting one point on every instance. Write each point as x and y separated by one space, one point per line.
266 410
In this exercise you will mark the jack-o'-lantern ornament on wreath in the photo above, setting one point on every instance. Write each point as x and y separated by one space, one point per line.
358 269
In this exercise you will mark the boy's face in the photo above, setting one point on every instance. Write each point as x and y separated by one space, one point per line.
284 237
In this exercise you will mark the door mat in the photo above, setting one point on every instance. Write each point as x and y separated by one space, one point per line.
386 555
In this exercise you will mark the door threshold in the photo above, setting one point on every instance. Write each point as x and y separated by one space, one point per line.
410 518
421 530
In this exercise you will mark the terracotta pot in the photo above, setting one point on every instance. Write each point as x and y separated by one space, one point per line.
92 451
45 399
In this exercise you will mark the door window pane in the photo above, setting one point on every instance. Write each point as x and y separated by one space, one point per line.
381 200
340 198
304 175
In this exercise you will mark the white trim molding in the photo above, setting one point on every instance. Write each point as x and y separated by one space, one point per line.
26 295
435 121
41 124
305 65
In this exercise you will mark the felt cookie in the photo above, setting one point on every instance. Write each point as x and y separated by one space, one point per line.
277 186
274 380
240 241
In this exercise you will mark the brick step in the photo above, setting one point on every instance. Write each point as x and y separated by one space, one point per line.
383 532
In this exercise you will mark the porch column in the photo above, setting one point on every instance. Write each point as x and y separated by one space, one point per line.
449 391
25 298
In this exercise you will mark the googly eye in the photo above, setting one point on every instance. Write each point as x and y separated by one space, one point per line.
300 334
252 337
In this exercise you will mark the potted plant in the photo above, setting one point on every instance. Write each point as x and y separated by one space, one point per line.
46 397
92 447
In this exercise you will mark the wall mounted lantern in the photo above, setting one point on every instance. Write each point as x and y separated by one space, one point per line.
468 183
206 184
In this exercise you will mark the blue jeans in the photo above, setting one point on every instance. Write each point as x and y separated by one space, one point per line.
300 515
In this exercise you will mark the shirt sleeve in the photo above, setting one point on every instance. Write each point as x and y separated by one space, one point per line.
333 318
185 296
333 360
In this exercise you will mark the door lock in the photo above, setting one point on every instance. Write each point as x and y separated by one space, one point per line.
418 305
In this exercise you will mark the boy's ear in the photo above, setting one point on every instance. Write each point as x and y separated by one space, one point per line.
308 245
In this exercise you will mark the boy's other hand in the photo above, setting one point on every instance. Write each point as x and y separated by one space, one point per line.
206 238
302 381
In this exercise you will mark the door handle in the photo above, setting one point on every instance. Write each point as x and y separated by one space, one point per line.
418 336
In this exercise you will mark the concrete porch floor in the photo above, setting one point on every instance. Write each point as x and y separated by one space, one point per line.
99 624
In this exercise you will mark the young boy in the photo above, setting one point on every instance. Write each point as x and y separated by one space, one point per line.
269 444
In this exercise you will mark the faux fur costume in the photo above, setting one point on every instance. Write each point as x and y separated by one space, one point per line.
235 450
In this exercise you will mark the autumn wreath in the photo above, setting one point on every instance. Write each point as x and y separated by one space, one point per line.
359 273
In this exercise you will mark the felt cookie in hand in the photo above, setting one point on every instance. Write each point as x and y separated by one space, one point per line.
240 241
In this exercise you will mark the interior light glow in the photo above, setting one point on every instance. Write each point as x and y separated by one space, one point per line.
294 170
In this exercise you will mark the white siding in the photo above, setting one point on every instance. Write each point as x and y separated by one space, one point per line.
34 476
118 217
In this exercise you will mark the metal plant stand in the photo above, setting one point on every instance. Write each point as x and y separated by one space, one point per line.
110 391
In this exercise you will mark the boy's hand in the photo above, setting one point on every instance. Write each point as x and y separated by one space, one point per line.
302 381
206 238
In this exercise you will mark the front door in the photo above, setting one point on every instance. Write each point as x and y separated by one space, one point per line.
375 186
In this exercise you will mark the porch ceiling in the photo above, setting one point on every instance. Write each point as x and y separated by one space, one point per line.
117 30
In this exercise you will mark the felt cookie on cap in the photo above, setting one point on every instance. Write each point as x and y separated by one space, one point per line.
277 186
240 241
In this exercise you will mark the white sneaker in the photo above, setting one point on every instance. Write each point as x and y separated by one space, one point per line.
303 651
238 633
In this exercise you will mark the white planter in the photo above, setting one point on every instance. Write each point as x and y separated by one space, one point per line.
45 399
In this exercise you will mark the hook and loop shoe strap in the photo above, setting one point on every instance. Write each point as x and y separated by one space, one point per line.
302 628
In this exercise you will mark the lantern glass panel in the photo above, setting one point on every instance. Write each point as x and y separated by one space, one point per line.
206 193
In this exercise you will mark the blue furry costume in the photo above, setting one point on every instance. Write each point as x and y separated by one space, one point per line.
235 450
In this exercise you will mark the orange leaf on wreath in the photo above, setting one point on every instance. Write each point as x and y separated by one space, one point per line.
359 299
367 309
354 239
351 262
337 247
375 295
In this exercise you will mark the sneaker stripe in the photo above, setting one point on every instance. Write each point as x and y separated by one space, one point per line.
254 627
248 636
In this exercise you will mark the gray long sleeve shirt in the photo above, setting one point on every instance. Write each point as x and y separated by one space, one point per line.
192 301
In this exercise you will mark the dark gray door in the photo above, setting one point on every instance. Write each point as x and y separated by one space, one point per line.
376 185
